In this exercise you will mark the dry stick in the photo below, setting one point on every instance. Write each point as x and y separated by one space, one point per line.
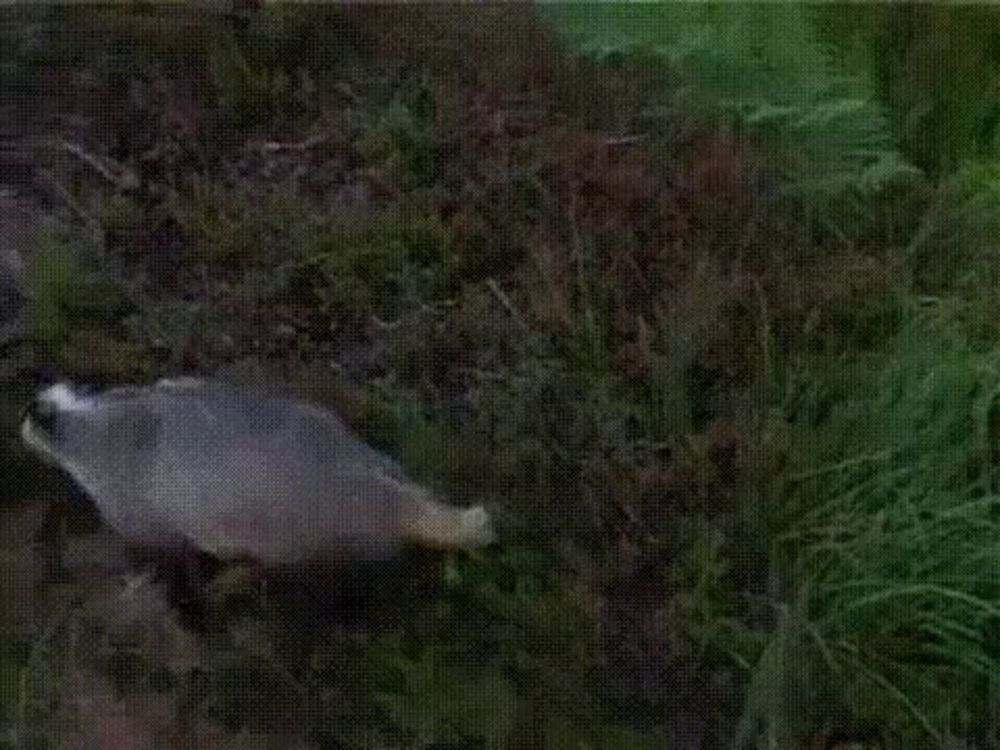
126 179
624 140
386 325
308 143
492 285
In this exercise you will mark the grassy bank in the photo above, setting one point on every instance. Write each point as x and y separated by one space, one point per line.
736 422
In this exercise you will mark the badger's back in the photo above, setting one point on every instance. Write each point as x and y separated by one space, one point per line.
246 474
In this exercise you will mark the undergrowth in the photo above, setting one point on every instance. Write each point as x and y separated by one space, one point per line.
77 315
670 309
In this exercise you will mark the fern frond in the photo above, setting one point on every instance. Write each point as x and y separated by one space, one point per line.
766 68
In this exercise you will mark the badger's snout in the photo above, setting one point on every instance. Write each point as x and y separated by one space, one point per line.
39 430
39 415
44 421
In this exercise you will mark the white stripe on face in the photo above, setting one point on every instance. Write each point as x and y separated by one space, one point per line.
62 397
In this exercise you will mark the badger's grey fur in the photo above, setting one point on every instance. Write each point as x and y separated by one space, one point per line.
238 474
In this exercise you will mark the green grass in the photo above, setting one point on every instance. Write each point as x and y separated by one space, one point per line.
888 551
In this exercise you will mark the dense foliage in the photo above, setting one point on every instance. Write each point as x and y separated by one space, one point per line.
698 299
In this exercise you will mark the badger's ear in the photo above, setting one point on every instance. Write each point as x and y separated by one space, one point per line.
40 376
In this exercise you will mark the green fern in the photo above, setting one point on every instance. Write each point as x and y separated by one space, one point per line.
767 71
955 248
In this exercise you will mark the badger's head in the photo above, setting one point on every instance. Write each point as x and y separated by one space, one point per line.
57 423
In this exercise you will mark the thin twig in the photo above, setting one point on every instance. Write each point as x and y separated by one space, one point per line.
846 464
386 325
125 179
308 143
624 140
492 285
